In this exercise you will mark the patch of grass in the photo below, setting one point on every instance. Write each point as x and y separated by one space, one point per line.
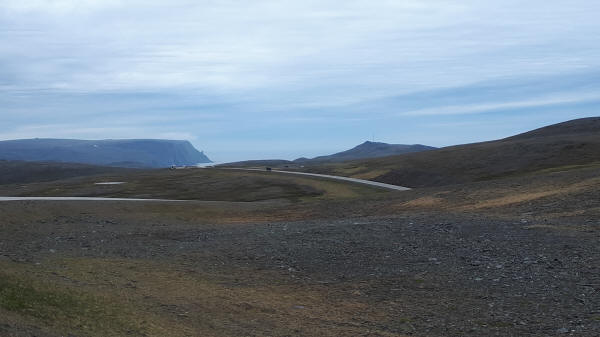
64 311
16 296
175 301
512 199
427 201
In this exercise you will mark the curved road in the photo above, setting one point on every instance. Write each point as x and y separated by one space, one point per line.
353 180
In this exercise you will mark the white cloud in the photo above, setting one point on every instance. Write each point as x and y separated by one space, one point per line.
72 131
511 105
57 7
233 46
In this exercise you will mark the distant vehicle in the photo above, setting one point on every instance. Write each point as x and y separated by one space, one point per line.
268 169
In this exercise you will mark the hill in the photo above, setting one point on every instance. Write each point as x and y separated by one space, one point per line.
563 146
577 127
122 153
21 172
369 150
365 150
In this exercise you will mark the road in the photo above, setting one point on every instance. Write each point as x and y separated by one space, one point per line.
326 176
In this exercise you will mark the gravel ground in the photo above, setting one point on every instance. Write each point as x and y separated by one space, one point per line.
445 274
529 268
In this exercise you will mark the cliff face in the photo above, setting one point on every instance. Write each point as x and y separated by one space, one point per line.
151 153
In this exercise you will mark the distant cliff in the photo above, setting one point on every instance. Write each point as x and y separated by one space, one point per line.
150 153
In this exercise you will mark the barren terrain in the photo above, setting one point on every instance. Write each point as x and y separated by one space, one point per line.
303 257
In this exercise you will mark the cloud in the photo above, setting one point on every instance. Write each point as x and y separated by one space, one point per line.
226 67
482 108
57 7
231 46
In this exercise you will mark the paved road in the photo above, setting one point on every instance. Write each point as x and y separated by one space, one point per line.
77 199
353 180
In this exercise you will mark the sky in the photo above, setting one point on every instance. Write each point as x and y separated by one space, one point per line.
290 78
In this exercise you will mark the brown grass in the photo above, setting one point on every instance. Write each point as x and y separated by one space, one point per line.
528 194
428 201
166 299
516 198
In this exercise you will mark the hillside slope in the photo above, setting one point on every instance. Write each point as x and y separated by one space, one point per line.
122 153
557 147
577 127
21 172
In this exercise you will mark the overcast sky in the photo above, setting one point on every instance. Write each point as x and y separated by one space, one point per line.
284 79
